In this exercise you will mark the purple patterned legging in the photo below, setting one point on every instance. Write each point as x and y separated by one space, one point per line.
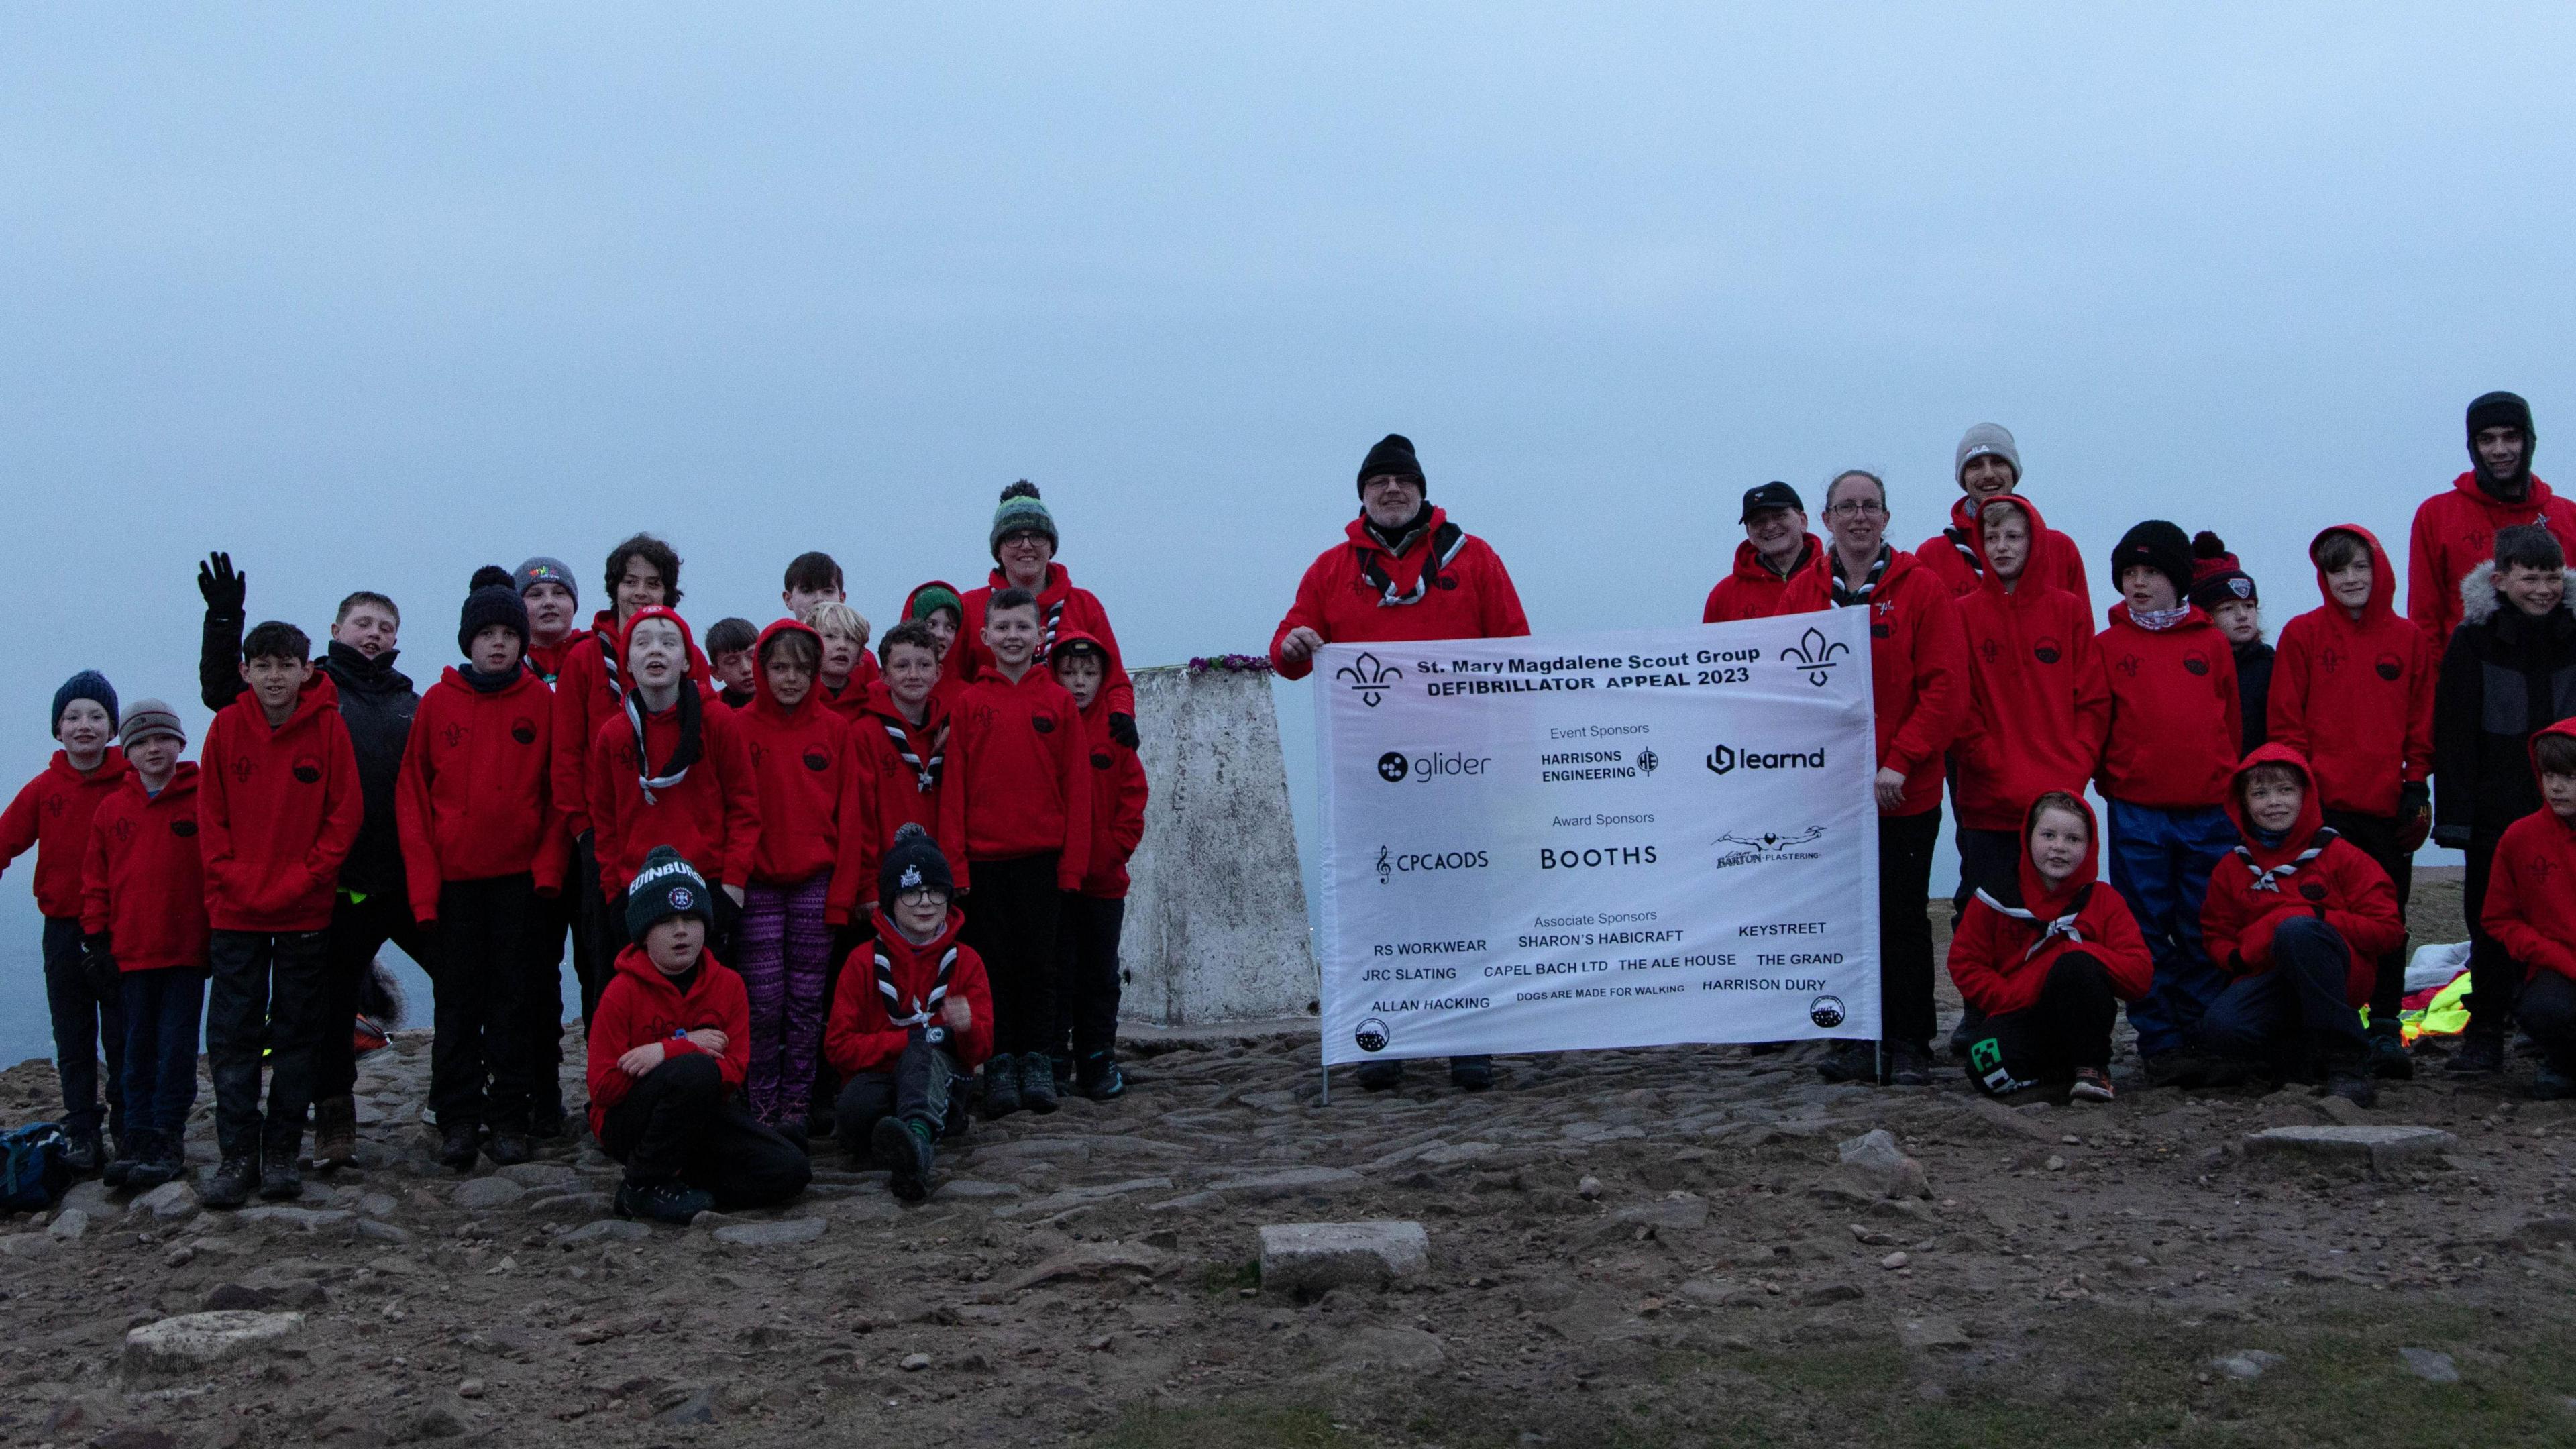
785 953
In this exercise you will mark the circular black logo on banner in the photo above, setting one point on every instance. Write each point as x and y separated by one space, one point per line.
1393 766
1826 1011
1371 1035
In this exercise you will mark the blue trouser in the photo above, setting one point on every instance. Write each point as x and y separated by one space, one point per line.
2294 1013
84 1022
162 1008
2160 863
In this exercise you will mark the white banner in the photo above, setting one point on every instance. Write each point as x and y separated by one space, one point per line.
1603 840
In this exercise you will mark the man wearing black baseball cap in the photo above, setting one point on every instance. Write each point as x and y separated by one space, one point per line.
1777 548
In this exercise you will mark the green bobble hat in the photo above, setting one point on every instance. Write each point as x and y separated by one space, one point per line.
1021 512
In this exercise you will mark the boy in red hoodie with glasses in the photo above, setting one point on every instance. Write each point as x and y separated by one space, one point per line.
481 843
1087 935
2298 918
2352 693
278 808
2531 910
2046 960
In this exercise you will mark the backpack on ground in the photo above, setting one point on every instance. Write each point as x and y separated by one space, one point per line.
35 1167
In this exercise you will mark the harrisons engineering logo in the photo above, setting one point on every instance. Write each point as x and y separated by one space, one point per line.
1726 760
1766 848
1398 766
1392 862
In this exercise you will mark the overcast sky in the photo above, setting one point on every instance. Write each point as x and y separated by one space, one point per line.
371 295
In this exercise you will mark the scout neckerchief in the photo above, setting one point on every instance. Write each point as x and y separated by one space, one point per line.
1845 595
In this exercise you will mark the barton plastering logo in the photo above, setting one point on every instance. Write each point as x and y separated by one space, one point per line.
1766 848
1370 678
1815 656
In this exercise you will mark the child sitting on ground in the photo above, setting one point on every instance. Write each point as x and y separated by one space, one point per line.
2531 909
2298 917
911 1021
2047 959
669 1048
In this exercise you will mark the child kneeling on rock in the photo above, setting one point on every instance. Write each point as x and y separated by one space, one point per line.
912 1019
670 1045
2047 960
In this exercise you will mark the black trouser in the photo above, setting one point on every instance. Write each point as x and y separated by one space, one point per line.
163 1008
1905 845
2494 980
927 1087
594 957
541 996
487 939
1990 861
680 1121
846 939
2548 1012
2377 837
266 989
2295 1015
1086 974
1011 923
84 1022
359 929
2069 1026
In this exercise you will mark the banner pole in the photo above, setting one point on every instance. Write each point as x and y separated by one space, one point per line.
1327 1071
1878 1059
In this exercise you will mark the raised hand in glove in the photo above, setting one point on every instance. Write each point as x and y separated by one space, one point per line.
1122 728
226 591
98 966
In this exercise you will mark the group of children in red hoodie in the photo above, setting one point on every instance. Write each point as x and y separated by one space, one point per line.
830 900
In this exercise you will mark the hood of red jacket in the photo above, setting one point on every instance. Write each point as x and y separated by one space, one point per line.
2037 896
182 786
111 766
635 961
2312 813
1099 705
319 693
763 702
1750 567
526 679
901 953
2534 498
2383 577
626 641
1977 540
926 586
2564 729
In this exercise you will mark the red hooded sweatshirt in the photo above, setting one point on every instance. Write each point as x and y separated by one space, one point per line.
710 815
2171 744
861 1037
52 815
2255 887
1357 593
2039 707
641 1006
547 660
1918 670
144 882
1062 608
852 701
473 798
277 810
900 774
2355 696
1026 773
800 762
2003 950
2455 532
587 695
2531 897
1117 801
1957 557
1752 591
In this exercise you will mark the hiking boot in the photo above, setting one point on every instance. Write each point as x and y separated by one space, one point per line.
278 1178
86 1154
903 1150
457 1147
2387 1057
230 1186
1471 1074
1971 1025
121 1165
1850 1061
1381 1076
1909 1065
335 1132
2478 1056
1037 1083
549 1126
509 1149
1098 1078
2092 1084
1062 1065
2551 1085
1001 1087
161 1164
2182 1068
2352 1083
673 1202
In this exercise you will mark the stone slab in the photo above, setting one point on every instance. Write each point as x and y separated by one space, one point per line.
1309 1258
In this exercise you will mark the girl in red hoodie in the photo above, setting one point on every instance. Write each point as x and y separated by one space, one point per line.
799 761
2531 909
1087 935
2046 960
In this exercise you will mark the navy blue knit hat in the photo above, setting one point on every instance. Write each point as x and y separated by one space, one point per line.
88 684
666 886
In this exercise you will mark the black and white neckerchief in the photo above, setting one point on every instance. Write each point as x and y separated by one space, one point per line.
2270 880
2064 925
1446 541
925 772
683 755
923 1009
1968 555
1046 644
1845 595
608 660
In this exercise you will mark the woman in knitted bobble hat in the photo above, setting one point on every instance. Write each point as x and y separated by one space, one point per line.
1024 543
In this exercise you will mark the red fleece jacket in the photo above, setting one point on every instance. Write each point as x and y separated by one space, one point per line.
641 1006
1025 772
51 815
2003 950
1117 804
1918 670
2039 707
474 798
1062 609
886 793
277 810
2531 896
2171 743
586 696
1957 557
2455 532
2355 696
1472 598
861 1037
711 817
1752 591
144 882
799 764
2342 887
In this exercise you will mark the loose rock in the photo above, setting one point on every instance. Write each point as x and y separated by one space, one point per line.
1308 1258
2379 1146
193 1340
2430 1365
771 1235
482 1193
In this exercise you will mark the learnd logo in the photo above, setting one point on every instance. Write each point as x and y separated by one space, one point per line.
1725 760
1370 678
1815 656
1395 766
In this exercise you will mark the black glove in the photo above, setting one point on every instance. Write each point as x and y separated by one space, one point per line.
1122 728
226 591
2412 797
2455 837
98 966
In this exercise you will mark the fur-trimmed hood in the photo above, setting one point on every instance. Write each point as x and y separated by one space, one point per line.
2479 599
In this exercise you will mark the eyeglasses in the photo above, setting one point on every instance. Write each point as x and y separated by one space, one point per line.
1856 508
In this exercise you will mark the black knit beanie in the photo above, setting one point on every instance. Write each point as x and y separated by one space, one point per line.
1394 455
2159 545
666 886
489 605
911 862
2216 576
91 685
2502 410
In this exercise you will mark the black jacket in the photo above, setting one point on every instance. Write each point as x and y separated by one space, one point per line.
2505 676
376 702
2254 693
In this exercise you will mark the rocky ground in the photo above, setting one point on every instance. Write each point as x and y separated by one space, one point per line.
1624 1248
